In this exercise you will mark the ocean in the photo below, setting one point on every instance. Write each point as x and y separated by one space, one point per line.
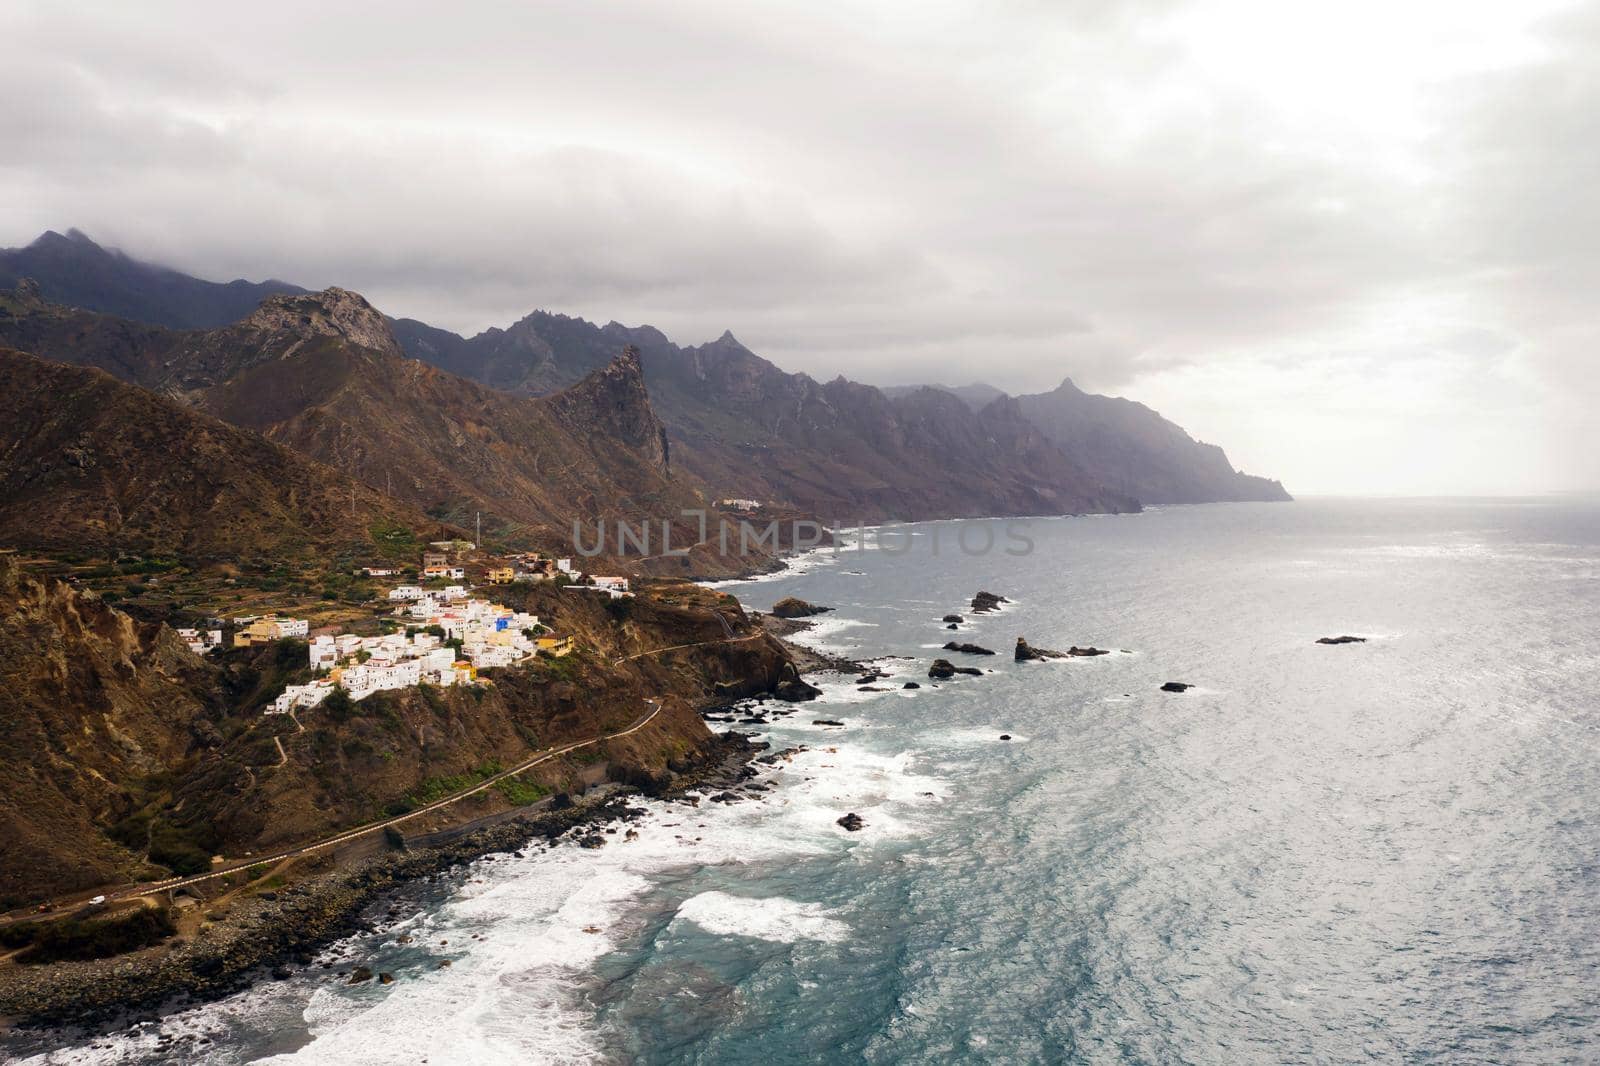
1379 852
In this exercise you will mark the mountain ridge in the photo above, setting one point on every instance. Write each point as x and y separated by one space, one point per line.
739 424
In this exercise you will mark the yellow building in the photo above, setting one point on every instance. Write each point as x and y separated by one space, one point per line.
261 631
553 646
502 575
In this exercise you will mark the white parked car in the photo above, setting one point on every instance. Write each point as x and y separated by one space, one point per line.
97 901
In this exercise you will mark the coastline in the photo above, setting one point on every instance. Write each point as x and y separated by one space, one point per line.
270 934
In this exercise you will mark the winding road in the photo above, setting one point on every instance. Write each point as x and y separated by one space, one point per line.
373 827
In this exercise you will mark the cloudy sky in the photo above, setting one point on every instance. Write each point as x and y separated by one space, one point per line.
1356 243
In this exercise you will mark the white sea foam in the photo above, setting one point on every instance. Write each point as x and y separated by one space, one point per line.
524 934
776 918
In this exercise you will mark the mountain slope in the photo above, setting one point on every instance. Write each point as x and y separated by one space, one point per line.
93 703
321 374
87 461
75 271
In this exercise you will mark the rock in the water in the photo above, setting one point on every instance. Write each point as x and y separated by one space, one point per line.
794 607
1346 639
1176 686
984 602
826 721
952 625
910 684
792 688
386 978
953 618
967 649
852 822
944 668
1005 736
1028 653
360 975
1086 652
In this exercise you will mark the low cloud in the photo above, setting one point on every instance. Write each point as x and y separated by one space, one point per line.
1285 228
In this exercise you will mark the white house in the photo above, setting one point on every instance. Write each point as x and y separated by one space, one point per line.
405 592
565 566
201 642
324 653
485 656
292 627
379 571
301 696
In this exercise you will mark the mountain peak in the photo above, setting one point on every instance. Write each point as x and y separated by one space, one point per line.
332 312
613 401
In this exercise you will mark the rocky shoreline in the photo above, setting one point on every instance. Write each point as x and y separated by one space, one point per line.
269 935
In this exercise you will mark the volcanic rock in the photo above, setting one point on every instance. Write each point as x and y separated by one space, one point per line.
1028 653
793 607
984 602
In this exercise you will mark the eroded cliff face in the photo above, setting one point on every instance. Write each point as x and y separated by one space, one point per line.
91 705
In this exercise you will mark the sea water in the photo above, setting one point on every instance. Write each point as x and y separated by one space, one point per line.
1378 852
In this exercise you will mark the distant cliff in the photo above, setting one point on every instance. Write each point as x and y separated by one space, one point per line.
750 429
1135 450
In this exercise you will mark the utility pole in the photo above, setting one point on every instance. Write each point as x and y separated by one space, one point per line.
480 529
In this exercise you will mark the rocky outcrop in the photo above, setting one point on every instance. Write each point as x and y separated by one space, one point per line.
852 823
943 669
792 688
985 602
1028 653
295 317
794 607
614 401
968 649
1342 640
1176 686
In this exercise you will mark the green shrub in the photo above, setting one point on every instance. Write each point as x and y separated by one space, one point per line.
102 938
521 793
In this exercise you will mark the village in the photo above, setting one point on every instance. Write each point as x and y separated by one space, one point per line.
438 634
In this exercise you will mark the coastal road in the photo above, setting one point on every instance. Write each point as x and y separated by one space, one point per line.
726 628
374 827
677 647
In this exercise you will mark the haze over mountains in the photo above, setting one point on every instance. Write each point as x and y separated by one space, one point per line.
449 425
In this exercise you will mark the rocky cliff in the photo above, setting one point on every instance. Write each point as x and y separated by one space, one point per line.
92 704
840 448
1134 450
